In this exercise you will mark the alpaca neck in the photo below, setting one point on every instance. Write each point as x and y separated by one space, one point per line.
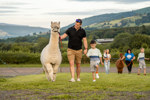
54 41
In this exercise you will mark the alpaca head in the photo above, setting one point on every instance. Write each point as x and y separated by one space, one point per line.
55 27
121 55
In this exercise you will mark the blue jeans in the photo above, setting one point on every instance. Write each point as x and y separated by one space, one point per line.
107 66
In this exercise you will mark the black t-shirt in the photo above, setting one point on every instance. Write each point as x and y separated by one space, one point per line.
75 38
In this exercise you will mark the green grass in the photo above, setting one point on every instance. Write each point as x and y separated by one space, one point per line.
35 65
65 42
62 65
106 86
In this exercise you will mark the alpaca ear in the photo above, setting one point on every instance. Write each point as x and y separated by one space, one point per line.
51 22
58 22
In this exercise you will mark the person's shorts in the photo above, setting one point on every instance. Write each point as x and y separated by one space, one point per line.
93 65
142 64
74 55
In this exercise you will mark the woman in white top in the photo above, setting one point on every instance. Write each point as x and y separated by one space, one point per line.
107 57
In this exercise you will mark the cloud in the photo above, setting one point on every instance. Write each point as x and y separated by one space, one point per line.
13 3
8 7
71 13
7 11
120 1
91 12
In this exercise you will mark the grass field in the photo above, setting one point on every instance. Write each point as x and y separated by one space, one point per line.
62 65
110 87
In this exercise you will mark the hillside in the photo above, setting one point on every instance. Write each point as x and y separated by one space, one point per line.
138 20
10 30
112 16
91 34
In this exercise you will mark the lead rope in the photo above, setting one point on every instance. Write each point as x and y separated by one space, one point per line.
60 40
130 64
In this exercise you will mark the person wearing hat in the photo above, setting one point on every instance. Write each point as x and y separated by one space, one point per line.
74 52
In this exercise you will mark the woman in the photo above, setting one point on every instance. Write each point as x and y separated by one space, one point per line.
129 59
107 58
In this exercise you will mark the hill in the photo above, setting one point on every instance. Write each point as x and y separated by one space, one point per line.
137 20
112 16
11 30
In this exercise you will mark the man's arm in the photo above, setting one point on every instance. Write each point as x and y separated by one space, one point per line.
64 36
85 45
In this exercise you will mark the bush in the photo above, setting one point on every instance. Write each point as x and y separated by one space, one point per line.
34 58
20 57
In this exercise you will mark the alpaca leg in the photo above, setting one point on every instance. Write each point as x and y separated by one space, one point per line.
46 73
55 67
121 71
118 71
50 71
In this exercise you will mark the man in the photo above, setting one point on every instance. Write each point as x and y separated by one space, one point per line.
74 52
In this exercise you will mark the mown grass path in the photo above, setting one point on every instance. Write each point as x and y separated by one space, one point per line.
109 87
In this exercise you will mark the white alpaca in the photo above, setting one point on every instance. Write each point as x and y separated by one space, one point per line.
51 55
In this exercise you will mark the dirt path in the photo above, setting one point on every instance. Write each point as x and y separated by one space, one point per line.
41 95
28 71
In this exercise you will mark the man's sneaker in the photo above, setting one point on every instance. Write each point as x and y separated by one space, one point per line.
72 80
94 80
78 80
97 76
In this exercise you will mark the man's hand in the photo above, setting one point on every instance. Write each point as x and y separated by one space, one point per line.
64 36
85 51
102 63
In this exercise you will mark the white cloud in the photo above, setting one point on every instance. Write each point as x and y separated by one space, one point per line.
41 12
120 1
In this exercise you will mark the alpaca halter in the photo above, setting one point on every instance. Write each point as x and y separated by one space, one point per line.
60 39
59 36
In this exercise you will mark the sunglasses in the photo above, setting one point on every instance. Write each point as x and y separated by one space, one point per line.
77 20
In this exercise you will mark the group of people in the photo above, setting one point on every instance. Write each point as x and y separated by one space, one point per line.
74 52
96 57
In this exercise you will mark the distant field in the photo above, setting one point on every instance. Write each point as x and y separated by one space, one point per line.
113 22
109 87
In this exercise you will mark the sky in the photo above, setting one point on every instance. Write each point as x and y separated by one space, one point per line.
40 13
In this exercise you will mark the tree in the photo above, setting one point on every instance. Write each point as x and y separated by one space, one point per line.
138 39
41 43
121 40
34 33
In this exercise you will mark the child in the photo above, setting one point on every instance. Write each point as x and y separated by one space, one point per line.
141 58
107 58
95 58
